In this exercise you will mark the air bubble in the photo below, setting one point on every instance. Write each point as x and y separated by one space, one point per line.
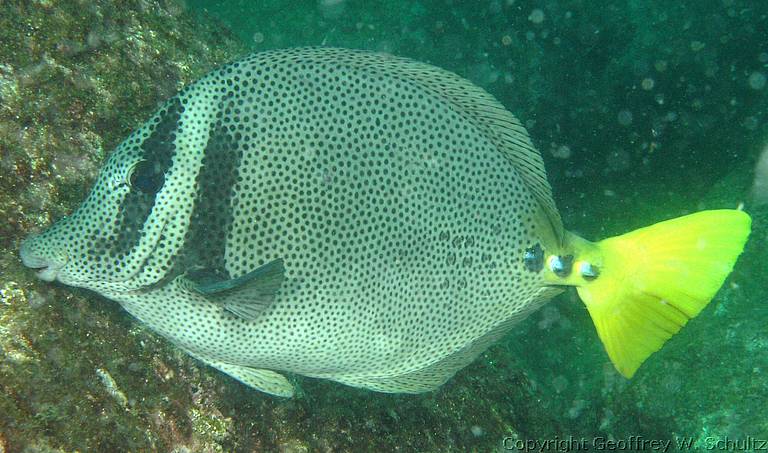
536 16
757 80
625 117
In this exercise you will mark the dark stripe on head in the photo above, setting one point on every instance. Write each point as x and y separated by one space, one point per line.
211 218
156 154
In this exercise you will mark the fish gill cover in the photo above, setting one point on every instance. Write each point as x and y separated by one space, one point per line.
642 110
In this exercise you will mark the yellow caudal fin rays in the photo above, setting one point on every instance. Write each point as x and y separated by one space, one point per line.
653 280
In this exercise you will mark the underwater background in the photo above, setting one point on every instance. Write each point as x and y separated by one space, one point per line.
643 110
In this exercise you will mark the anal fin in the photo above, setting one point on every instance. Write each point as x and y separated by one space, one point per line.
266 381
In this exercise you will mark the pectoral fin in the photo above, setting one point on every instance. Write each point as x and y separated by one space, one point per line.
245 296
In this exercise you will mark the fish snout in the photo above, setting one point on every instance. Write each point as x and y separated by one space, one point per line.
45 261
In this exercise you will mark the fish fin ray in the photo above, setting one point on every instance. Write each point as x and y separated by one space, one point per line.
432 376
480 108
246 296
266 381
655 279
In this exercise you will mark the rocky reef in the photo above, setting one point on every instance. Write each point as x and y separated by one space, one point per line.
644 110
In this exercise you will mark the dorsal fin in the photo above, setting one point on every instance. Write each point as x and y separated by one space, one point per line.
475 104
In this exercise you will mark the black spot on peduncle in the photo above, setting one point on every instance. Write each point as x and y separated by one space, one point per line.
534 258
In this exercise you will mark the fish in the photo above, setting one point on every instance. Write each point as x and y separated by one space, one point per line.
362 218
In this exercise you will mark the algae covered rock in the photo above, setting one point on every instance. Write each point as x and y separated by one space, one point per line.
75 79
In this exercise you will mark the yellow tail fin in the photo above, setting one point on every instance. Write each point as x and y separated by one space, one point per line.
653 280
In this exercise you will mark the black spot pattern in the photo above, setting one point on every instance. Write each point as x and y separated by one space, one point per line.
103 236
401 221
157 151
211 219
154 155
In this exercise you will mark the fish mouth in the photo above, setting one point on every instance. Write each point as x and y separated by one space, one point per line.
47 273
46 268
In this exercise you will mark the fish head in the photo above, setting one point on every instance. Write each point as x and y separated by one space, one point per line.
111 242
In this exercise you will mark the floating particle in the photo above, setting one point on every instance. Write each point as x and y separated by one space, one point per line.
332 9
697 104
647 84
574 173
258 38
476 431
763 57
506 40
575 410
750 123
560 383
757 80
175 8
697 46
536 16
618 160
549 317
562 152
760 184
625 117
660 65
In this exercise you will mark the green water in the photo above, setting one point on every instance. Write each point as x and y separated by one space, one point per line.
643 110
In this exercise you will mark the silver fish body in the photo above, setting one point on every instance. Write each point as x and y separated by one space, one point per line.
337 214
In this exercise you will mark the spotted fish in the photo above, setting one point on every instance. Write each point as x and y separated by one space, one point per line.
362 218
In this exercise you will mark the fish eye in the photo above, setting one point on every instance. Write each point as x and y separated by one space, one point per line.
145 178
